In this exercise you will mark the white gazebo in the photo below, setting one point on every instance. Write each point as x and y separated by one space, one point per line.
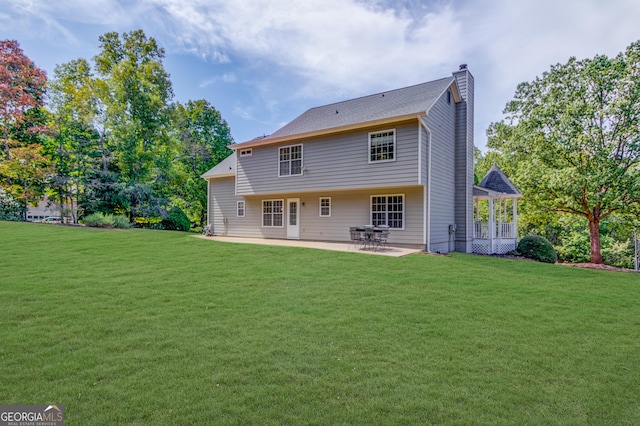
495 200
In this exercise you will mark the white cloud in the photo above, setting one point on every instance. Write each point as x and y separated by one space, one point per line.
290 54
52 19
513 42
348 48
343 46
225 78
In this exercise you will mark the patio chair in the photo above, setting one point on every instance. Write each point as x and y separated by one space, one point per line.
381 237
356 236
369 237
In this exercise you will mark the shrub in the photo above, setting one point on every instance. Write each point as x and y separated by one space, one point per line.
176 220
120 221
98 220
154 222
618 253
10 208
575 247
538 248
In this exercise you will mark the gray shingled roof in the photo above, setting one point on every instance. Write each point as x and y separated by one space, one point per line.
394 103
496 180
226 167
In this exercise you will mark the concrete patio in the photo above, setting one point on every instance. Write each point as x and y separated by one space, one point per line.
392 251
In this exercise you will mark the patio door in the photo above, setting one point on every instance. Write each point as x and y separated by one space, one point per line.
293 218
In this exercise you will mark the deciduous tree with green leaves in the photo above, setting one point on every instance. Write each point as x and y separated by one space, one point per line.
137 95
75 145
204 136
573 138
28 170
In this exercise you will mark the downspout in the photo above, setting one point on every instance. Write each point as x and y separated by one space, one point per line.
235 178
209 203
427 207
419 154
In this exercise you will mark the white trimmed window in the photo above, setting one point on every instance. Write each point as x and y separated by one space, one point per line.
272 213
382 146
290 160
388 210
240 209
246 152
325 207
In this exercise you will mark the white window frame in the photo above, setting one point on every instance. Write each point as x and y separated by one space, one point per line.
289 161
372 135
273 213
241 209
327 207
247 152
386 212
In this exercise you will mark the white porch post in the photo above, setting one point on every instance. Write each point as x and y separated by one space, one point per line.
515 218
476 218
491 225
499 219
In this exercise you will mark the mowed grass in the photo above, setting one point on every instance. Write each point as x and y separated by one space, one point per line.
152 327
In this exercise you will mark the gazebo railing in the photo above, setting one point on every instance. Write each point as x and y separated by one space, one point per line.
508 230
481 230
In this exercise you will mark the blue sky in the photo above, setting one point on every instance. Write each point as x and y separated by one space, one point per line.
262 63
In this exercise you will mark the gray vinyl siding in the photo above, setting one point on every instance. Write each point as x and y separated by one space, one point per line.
348 208
441 122
464 162
223 210
352 208
332 163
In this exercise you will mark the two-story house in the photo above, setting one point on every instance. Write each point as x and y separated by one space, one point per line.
402 158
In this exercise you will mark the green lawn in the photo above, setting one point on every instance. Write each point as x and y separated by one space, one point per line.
154 327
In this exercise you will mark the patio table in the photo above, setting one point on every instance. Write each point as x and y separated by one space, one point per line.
369 236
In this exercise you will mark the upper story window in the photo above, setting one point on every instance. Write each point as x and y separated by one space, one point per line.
290 160
246 152
382 146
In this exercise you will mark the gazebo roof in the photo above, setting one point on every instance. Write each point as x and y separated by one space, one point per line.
496 183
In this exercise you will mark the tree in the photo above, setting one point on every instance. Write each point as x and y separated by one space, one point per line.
28 170
22 87
573 137
136 94
204 136
78 147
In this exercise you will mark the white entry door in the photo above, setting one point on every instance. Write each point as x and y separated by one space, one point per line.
293 218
